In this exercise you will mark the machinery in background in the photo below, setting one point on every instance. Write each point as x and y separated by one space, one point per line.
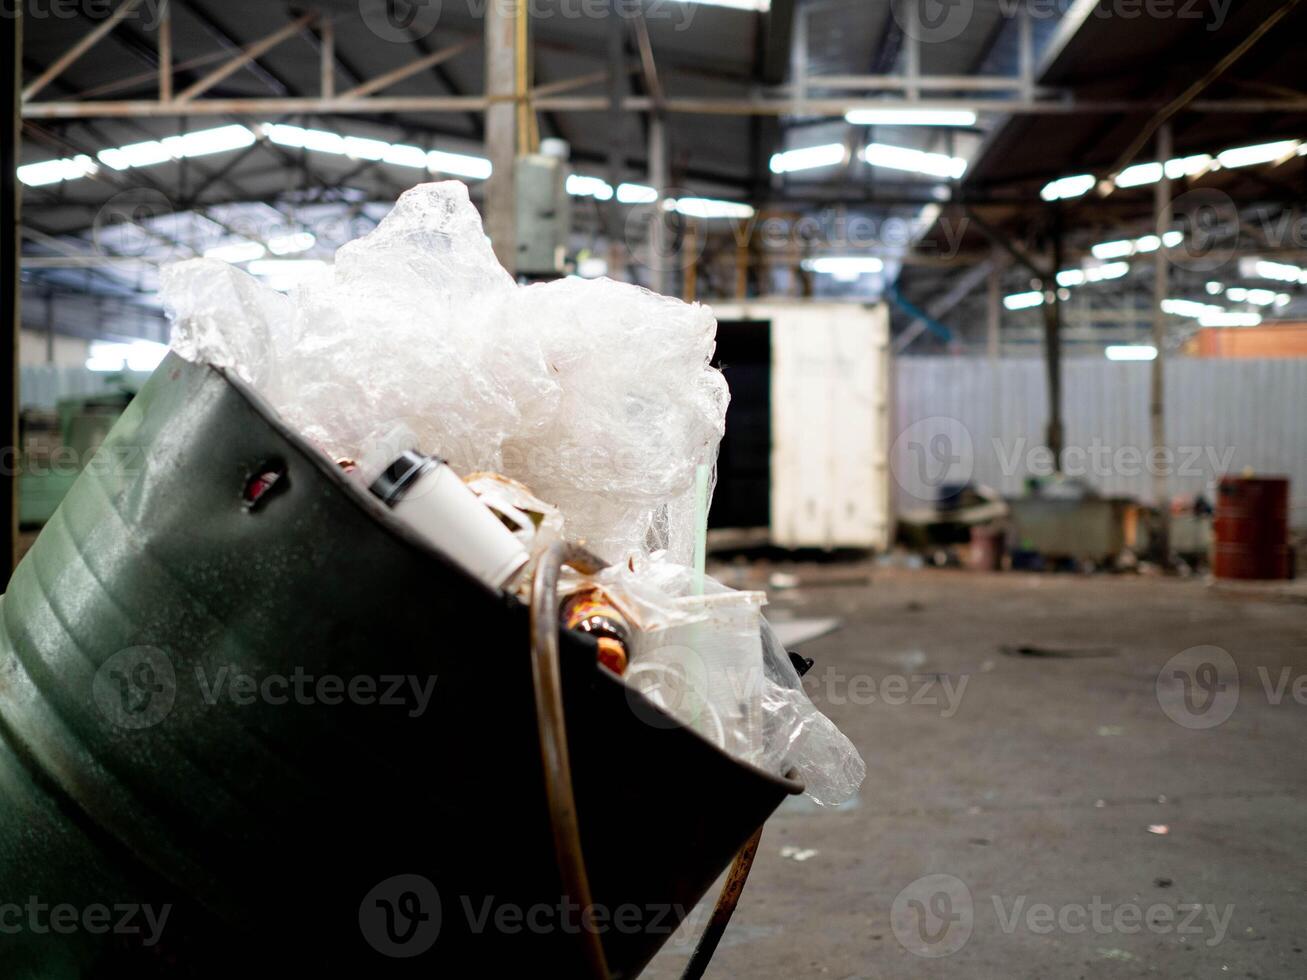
544 211
57 445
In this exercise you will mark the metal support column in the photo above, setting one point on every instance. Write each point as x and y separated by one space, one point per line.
165 51
662 279
912 50
11 38
1156 401
1025 54
617 259
501 128
49 326
994 307
1052 310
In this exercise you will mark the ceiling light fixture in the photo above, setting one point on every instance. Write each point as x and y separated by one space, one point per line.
911 117
914 161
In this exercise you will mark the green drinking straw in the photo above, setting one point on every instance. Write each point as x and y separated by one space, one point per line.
700 526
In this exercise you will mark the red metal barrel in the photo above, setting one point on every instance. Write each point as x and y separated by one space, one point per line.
1251 528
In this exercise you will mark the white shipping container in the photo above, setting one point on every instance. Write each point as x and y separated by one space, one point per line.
830 400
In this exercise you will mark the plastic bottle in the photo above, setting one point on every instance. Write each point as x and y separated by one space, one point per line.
427 495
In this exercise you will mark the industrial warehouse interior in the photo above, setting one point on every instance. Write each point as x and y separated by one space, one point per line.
654 488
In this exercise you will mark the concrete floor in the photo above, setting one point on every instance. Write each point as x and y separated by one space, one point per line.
1036 795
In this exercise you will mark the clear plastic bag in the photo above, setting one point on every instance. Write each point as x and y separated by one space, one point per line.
801 736
714 663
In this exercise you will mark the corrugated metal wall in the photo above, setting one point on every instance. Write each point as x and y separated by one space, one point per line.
958 418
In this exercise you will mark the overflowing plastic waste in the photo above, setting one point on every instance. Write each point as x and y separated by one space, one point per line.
578 408
596 394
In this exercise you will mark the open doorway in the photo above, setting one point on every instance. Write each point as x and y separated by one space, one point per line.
743 495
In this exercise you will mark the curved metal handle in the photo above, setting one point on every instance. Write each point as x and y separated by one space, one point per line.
552 727
725 908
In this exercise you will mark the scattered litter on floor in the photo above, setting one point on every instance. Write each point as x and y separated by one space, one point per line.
1163 882
1116 954
1110 730
1044 650
794 632
798 853
1159 828
783 580
909 660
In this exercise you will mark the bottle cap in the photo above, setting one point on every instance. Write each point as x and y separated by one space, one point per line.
396 479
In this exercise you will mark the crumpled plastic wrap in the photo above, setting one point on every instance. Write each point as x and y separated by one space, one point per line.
728 677
598 395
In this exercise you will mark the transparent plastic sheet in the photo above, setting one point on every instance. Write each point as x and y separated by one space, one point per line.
801 736
598 395
723 672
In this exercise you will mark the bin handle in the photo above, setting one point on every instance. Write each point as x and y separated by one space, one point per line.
552 726
559 793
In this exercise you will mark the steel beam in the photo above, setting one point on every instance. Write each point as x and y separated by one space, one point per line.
901 83
392 77
500 107
327 58
248 54
962 286
690 106
79 49
165 51
224 37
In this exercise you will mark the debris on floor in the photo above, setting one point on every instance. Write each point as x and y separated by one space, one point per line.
1031 650
794 632
783 580
798 853
1116 954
